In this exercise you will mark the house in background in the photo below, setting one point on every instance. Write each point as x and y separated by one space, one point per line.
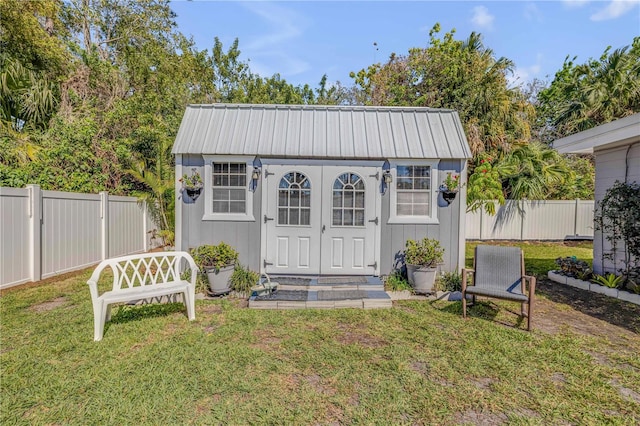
320 190
616 147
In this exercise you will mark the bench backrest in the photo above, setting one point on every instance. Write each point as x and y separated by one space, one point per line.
144 269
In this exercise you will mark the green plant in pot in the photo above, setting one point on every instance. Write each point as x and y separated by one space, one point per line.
217 262
422 258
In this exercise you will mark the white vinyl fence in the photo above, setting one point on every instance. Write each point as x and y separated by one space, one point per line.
46 233
533 220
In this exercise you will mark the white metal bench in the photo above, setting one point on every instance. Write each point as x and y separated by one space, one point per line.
142 276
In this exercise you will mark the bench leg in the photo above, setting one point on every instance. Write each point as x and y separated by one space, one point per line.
189 297
101 312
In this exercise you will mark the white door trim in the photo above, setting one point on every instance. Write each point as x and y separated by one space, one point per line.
375 169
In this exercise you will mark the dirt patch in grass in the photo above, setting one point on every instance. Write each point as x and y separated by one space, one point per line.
348 335
564 307
266 340
49 305
210 309
479 418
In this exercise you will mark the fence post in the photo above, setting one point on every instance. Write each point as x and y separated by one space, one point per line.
104 223
145 246
35 232
575 218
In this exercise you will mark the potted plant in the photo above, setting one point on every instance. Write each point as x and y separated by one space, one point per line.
450 187
217 262
422 258
192 184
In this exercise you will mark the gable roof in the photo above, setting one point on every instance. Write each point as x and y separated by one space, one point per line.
609 135
311 131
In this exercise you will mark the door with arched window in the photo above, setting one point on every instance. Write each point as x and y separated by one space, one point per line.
320 219
350 220
292 219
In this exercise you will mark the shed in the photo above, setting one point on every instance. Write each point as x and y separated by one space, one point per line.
616 147
320 190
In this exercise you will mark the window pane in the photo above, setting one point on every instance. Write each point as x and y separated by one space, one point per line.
421 183
404 210
403 171
234 180
348 218
283 198
294 217
360 185
220 194
217 180
337 217
420 197
234 168
337 198
217 167
359 218
405 197
360 199
305 198
405 183
348 199
237 207
237 194
420 209
422 171
283 217
305 217
221 207
294 199
242 180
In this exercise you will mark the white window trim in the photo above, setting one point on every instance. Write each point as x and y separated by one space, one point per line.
393 193
208 189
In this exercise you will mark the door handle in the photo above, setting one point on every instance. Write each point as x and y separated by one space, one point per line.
323 228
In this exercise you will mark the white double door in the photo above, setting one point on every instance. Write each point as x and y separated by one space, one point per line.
320 219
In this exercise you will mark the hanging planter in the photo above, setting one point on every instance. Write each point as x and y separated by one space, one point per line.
449 196
192 184
449 188
193 193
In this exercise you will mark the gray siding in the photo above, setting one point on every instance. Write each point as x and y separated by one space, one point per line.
243 236
617 164
394 236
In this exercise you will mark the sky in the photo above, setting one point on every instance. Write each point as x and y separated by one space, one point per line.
303 40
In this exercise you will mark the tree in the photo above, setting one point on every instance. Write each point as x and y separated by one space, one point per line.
458 74
586 95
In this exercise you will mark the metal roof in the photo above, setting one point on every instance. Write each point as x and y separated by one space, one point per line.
312 131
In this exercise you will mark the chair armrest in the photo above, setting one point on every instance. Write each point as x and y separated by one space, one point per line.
531 281
465 273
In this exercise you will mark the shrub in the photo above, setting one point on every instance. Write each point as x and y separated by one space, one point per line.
450 281
243 279
611 280
426 252
397 282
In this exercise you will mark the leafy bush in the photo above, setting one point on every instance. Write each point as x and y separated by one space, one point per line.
426 252
214 256
397 282
450 281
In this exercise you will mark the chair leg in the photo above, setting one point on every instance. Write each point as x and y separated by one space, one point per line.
464 305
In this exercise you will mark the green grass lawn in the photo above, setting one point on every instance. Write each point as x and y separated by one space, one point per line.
418 363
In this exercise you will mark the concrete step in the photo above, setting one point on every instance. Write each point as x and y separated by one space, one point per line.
324 293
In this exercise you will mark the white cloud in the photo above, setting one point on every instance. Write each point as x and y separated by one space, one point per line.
482 18
575 3
532 13
614 9
522 75
274 50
